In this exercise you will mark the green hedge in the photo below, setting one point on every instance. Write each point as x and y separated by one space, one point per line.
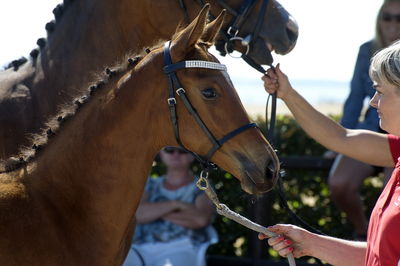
307 193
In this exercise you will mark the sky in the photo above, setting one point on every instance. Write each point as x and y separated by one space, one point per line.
330 35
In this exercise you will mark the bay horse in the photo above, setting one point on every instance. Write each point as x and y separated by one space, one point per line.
88 35
71 198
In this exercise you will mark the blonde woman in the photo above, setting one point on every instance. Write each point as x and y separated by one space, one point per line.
347 174
383 246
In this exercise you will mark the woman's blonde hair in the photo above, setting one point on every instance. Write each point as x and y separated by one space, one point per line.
378 42
385 65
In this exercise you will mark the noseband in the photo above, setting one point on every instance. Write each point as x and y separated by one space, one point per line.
174 86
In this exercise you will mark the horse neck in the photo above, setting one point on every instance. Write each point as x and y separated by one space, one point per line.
101 158
105 30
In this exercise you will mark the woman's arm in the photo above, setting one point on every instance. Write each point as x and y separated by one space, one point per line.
367 146
148 212
194 216
335 251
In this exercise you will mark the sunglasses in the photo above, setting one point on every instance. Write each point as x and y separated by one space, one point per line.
387 17
171 150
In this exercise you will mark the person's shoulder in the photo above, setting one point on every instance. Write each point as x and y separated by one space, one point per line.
156 179
153 181
366 47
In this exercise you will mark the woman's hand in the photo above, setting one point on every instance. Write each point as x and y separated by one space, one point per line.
277 81
181 206
290 239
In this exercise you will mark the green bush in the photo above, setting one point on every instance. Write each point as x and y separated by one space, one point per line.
307 193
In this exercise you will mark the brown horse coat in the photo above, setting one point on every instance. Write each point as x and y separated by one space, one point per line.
92 34
74 203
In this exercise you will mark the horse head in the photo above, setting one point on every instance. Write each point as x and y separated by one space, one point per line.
211 119
253 27
257 28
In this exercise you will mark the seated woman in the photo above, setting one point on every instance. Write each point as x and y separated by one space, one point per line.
173 217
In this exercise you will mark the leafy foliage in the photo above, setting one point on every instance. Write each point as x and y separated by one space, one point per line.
307 193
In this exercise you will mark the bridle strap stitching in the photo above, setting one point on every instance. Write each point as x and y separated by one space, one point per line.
171 68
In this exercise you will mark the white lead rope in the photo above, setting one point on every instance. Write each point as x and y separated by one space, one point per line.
224 210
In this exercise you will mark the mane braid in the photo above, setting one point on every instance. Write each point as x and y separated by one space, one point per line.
39 141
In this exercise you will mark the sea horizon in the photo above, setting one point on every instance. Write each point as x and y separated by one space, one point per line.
328 96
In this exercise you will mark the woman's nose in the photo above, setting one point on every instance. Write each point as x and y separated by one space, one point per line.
374 101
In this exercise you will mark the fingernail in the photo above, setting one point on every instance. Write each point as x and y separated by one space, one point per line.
288 242
291 249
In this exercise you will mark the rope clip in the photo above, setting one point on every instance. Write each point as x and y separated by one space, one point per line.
202 183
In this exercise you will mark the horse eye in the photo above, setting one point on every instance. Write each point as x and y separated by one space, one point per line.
209 93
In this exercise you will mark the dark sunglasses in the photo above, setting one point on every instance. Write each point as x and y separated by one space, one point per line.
171 150
387 17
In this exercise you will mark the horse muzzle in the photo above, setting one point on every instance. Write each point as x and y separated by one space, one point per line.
258 180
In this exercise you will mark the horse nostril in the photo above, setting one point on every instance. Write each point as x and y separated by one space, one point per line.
292 30
292 36
270 171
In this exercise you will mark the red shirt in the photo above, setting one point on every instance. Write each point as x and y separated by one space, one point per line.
383 247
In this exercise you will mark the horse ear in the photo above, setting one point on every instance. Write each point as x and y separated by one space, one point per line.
189 36
213 28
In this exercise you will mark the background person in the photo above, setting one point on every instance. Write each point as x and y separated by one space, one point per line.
346 175
173 217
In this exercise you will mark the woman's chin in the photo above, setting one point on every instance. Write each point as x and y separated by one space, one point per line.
382 125
391 130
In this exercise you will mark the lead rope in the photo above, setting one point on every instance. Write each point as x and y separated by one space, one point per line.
224 210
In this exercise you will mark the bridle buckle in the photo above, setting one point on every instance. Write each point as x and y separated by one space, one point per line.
171 101
231 29
180 91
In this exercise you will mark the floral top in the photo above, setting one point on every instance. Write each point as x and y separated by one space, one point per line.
164 231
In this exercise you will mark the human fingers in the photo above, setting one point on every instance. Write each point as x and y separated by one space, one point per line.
184 206
280 75
285 252
275 240
270 85
278 70
275 229
279 244
261 236
269 78
280 229
271 74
